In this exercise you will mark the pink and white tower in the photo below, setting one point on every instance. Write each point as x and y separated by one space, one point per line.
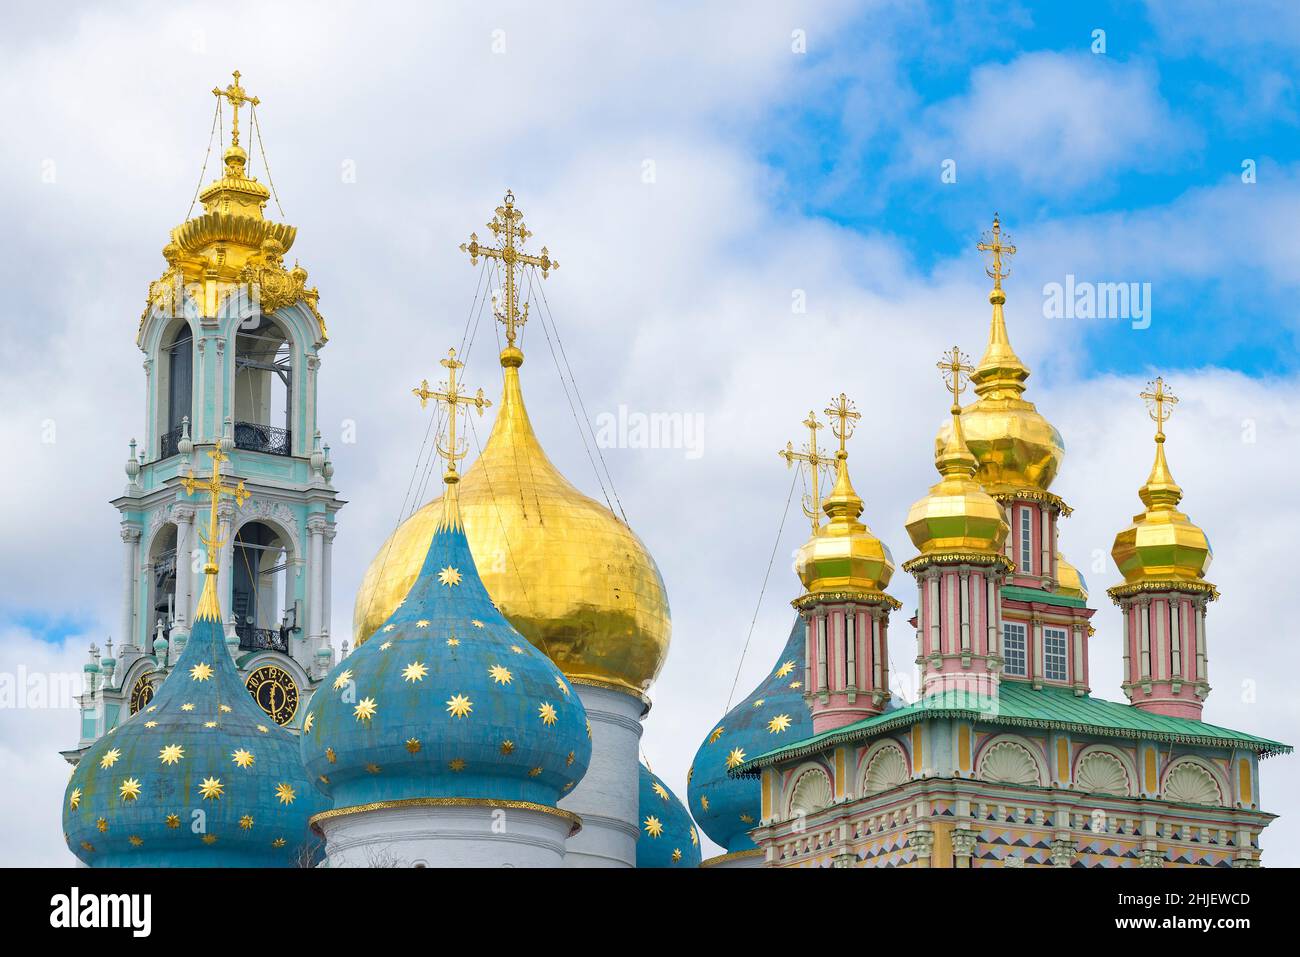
1163 557
959 531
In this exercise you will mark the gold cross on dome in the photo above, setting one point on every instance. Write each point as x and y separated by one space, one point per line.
815 462
237 96
452 397
842 409
215 490
1160 403
993 243
956 368
509 229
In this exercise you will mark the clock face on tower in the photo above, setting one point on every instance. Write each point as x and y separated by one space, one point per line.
141 692
275 692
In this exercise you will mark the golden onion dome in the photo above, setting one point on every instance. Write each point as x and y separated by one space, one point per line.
577 582
1068 580
1017 449
1162 545
957 516
843 555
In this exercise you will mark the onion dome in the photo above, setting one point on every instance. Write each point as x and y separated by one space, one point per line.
957 517
668 837
575 580
1069 582
447 703
1163 545
843 556
1017 450
198 778
773 714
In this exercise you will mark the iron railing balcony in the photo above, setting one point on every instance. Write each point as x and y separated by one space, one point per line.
170 443
254 437
262 639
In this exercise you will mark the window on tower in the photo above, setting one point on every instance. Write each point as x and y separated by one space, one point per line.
1055 654
263 388
178 396
260 601
1026 560
1014 658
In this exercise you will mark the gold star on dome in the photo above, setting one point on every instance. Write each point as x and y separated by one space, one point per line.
653 826
569 759
760 702
171 753
559 683
704 802
660 790
151 724
568 785
187 706
173 821
500 675
308 721
453 642
201 672
717 733
422 623
87 846
330 756
507 746
110 758
414 672
151 708
458 706
695 838
373 768
796 684
279 842
547 713
413 745
746 819
211 789
456 764
476 623
516 649
388 628
324 779
677 855
588 729
690 774
101 825
285 793
246 822
264 729
209 838
74 799
365 709
209 724
224 708
242 758
785 669
385 646
736 758
778 724
135 840
449 576
343 678
130 789
534 772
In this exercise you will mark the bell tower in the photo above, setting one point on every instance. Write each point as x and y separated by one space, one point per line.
232 339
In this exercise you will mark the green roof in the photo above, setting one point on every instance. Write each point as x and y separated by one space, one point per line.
1019 705
1017 593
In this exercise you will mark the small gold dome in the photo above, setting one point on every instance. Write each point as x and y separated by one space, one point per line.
1068 580
843 555
577 582
1162 544
1016 448
957 515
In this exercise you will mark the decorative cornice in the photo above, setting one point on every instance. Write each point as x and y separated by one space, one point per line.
612 686
733 856
575 822
1129 589
833 597
1005 497
959 558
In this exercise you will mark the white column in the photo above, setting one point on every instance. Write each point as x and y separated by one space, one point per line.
850 647
1144 637
326 575
964 610
823 668
315 564
606 797
992 616
225 563
184 516
1045 541
936 627
1201 662
1175 639
131 559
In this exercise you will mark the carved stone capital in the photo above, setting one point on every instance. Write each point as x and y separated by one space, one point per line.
1063 852
963 842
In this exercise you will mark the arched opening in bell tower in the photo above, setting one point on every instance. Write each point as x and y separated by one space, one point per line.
161 606
263 388
177 394
261 599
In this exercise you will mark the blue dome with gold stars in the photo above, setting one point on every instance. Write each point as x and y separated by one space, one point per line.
773 714
668 837
446 701
199 778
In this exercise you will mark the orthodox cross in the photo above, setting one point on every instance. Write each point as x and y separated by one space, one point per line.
815 461
956 368
841 408
215 490
509 229
992 243
1160 402
451 396
237 96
